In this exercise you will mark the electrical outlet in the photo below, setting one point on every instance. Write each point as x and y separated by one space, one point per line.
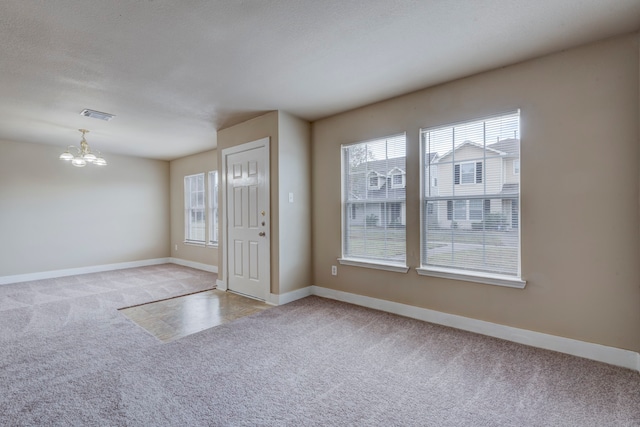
334 270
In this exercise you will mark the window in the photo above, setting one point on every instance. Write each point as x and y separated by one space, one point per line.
460 210
475 210
374 181
194 215
376 235
213 208
398 178
468 173
472 230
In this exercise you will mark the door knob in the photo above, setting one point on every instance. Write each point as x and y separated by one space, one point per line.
262 234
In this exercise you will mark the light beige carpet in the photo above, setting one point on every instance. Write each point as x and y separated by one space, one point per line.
78 361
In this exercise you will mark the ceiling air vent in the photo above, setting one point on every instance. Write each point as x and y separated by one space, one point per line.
97 115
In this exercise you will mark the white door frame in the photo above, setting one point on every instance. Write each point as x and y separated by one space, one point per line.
223 284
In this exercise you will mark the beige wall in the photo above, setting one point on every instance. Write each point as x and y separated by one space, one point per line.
289 164
190 165
294 176
580 160
54 216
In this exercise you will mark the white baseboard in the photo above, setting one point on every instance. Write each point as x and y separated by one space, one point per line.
221 285
287 297
601 353
5 280
196 265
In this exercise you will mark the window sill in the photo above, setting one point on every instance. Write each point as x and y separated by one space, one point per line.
478 277
199 244
376 266
212 245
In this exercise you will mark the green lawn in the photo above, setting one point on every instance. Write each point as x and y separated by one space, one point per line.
494 259
498 253
376 242
466 236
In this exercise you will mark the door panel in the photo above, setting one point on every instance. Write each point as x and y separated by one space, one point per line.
248 228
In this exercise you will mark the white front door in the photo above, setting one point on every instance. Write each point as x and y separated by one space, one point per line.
247 191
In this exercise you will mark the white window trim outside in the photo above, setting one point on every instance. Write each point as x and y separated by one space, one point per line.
373 174
516 170
403 178
474 173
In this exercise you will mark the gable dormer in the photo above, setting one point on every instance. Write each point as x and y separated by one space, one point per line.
398 178
375 181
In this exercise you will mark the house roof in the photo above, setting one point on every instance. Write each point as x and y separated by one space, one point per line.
473 144
509 146
383 167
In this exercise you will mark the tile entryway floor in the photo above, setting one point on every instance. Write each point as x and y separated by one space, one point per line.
178 317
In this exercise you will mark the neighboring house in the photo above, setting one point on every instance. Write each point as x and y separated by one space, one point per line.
377 188
377 192
470 170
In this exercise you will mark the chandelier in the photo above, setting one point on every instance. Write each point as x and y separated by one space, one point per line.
83 154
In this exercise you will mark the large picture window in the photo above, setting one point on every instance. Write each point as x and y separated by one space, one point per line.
374 201
471 219
194 206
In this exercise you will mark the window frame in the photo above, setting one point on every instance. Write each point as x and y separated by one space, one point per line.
479 209
457 209
347 205
213 209
397 172
472 173
375 175
478 171
426 197
189 209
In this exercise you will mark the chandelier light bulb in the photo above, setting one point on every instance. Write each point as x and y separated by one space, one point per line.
66 156
83 154
78 162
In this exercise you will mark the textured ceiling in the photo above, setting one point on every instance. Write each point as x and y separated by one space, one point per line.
173 72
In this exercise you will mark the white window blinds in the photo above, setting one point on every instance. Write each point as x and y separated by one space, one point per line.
471 219
194 208
213 208
374 209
